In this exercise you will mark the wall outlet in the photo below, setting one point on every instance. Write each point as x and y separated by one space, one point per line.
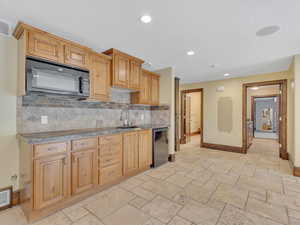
44 119
142 117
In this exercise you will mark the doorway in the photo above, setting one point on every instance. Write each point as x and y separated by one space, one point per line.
191 116
265 114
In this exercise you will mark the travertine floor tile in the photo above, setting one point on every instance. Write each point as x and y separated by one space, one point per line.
75 212
179 180
131 183
110 202
143 193
13 216
200 214
138 202
235 216
228 194
163 188
55 219
179 221
88 220
126 215
162 209
273 212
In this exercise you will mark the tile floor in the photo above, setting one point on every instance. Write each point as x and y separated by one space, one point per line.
268 135
203 187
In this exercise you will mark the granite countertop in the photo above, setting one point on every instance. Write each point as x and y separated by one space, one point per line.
66 135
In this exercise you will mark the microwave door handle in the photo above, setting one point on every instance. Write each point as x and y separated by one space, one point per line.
80 85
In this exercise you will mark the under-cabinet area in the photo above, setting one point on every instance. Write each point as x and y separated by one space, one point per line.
111 68
57 174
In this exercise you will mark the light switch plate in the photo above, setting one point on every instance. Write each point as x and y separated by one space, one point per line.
44 119
142 117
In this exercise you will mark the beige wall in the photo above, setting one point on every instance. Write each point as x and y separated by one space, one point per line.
195 111
9 157
291 112
264 90
232 91
167 96
296 70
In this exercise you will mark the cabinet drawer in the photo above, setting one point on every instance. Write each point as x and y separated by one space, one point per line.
87 143
110 174
108 160
110 140
49 149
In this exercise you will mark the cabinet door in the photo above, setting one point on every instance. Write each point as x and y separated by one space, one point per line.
121 71
134 78
154 90
100 74
44 46
130 152
145 148
51 180
84 170
144 97
76 56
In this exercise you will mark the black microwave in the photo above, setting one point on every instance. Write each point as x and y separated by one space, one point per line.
49 78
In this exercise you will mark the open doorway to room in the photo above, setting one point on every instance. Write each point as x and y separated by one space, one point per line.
264 117
191 116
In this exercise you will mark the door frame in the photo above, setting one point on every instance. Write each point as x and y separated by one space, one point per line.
283 113
182 131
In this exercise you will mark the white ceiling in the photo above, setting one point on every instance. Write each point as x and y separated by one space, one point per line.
221 32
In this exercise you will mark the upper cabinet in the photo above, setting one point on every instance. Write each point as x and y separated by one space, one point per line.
149 89
44 46
76 56
41 44
126 70
100 70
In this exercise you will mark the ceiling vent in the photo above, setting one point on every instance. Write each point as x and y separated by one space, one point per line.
5 28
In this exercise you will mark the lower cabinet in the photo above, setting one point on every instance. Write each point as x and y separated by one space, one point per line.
63 172
51 180
110 158
130 152
84 170
145 148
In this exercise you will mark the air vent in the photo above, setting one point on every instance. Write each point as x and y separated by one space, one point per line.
4 28
5 197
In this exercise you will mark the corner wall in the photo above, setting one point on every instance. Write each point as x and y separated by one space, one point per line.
9 155
167 96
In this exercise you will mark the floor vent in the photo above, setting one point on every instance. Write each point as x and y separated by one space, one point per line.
5 198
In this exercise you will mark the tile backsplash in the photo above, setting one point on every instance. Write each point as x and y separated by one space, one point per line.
66 114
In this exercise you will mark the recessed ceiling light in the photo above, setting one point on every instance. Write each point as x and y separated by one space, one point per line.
190 53
265 31
146 19
255 88
226 74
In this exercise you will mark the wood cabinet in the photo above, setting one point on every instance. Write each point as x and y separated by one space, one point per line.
149 89
130 152
110 158
100 73
84 170
154 89
145 148
135 74
76 56
126 69
51 180
44 46
55 175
